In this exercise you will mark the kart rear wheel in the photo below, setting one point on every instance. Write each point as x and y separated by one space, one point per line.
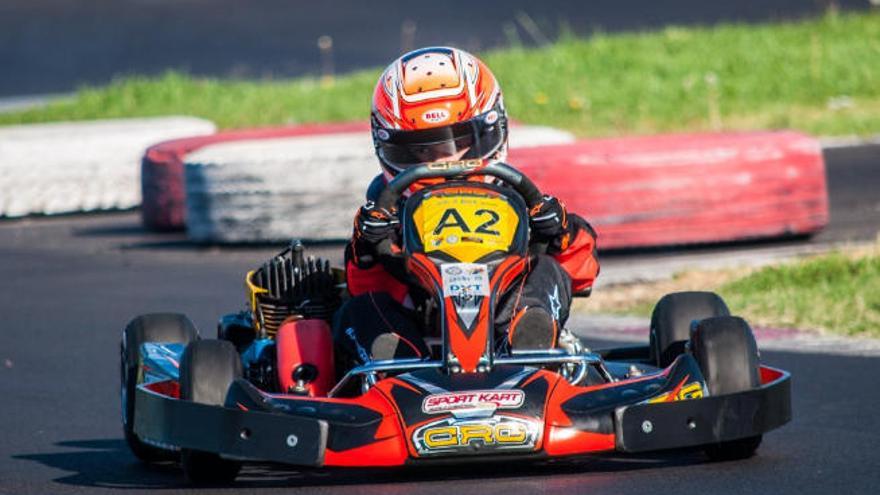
207 368
155 327
672 318
726 351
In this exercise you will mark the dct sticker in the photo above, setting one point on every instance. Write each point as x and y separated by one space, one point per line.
465 279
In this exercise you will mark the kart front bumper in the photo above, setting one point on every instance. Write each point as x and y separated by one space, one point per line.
291 439
233 433
706 421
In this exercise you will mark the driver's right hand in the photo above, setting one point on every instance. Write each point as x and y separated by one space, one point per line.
374 224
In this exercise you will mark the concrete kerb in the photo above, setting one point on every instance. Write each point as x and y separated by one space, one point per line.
69 167
849 141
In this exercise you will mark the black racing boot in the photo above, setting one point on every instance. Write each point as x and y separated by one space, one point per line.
392 346
532 329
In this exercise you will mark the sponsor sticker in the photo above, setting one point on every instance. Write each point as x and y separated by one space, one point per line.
500 399
436 115
690 391
456 165
448 436
464 279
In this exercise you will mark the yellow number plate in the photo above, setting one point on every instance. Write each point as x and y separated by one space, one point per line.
466 227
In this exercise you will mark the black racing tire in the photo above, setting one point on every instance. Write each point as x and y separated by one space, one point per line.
155 327
672 318
727 353
207 369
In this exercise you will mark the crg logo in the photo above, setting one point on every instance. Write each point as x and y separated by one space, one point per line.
435 116
496 433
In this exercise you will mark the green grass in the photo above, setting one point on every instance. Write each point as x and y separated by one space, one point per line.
835 293
821 76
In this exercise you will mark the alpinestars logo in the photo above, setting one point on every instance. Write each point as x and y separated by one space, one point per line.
555 305
362 353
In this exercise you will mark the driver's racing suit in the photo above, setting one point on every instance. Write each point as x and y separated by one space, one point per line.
381 320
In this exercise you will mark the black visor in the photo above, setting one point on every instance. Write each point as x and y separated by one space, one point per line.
480 137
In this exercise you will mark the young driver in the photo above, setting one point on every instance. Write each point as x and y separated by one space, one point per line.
442 104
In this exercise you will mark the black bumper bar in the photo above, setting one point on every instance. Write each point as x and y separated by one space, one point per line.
705 421
232 433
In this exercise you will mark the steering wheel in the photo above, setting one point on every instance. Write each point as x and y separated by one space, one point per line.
509 175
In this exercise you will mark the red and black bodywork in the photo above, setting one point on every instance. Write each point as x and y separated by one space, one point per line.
470 401
384 426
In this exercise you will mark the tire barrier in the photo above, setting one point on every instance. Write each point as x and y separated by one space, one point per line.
73 167
687 189
270 184
273 190
163 204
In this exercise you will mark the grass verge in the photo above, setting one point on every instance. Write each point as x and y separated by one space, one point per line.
836 293
821 76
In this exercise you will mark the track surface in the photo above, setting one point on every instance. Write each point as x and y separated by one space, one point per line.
71 284
50 46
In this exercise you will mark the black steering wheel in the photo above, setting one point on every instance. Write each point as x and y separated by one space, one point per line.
448 170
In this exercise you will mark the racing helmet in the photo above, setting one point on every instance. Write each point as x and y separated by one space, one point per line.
435 103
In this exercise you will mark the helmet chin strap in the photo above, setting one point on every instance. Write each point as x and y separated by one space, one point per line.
500 155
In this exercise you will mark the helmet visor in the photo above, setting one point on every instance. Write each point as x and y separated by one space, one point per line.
465 140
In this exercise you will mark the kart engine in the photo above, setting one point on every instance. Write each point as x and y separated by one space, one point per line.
293 285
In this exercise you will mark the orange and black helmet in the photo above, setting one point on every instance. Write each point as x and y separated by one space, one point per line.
434 103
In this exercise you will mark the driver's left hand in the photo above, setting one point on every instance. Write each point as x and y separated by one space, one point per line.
548 219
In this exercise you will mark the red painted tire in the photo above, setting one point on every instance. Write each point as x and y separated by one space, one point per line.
163 206
687 189
637 192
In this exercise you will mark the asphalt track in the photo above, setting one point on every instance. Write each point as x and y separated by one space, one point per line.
71 283
52 46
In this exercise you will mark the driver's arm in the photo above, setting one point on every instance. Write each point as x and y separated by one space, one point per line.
569 239
363 274
575 250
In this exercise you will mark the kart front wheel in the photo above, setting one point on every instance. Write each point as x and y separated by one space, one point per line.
207 368
727 354
155 327
672 318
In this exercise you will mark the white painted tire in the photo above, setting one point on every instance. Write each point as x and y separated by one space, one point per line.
306 187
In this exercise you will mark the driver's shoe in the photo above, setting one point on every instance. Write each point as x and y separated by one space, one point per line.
532 329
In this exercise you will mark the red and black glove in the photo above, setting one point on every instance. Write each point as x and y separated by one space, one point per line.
548 221
373 224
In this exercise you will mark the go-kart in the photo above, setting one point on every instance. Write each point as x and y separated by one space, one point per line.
268 388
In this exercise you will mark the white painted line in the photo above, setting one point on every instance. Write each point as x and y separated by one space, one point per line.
11 104
848 141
